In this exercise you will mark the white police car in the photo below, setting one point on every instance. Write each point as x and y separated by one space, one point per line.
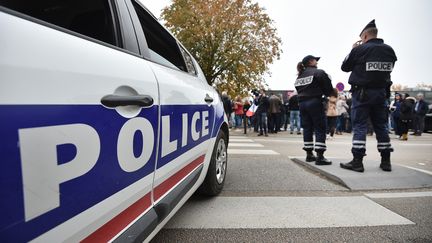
107 123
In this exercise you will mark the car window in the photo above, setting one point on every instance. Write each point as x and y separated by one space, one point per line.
90 18
189 61
161 60
159 41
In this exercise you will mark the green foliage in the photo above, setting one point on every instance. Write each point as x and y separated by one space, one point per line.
234 41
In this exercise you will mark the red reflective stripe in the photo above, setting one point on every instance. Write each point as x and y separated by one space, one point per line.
119 222
165 186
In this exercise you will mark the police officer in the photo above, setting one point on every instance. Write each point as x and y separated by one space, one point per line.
311 84
371 62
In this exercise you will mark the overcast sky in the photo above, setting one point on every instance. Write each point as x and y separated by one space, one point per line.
329 28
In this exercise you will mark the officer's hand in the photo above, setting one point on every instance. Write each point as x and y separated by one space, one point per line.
357 43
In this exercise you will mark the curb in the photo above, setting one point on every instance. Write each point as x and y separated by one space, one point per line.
324 173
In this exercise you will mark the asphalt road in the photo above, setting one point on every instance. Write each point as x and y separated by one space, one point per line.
269 198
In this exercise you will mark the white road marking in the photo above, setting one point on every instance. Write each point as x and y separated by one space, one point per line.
303 157
284 212
415 144
245 145
241 140
278 140
339 142
399 194
252 152
240 137
417 169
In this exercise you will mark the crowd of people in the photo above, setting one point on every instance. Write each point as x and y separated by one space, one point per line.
275 114
267 114
405 113
408 112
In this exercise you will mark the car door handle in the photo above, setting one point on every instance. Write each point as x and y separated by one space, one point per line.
113 101
208 99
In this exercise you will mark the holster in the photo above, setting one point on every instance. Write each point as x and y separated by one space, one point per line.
363 95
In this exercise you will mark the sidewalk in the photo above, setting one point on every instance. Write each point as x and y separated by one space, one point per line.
373 178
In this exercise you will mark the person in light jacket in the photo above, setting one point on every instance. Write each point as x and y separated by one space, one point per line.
332 114
341 107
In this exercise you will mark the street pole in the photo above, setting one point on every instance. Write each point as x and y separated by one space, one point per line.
245 123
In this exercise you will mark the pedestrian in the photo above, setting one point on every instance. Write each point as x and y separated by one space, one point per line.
406 115
246 106
226 100
263 106
238 112
420 111
286 115
294 108
274 109
282 113
348 123
312 84
370 63
331 114
395 114
255 118
342 110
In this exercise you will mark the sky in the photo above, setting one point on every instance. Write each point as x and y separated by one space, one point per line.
328 29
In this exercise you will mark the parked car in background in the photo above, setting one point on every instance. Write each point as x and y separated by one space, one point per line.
107 123
428 120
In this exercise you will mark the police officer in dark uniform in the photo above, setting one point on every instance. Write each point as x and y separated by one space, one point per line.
370 63
312 84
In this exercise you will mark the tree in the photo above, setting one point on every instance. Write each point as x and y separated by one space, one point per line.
234 41
399 87
424 86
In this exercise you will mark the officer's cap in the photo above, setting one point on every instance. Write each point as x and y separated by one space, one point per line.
369 25
307 58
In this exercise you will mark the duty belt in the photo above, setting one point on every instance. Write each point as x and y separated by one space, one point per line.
303 98
358 87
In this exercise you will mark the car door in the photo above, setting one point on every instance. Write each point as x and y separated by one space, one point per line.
79 115
187 116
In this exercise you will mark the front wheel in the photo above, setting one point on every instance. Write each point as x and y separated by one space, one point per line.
215 178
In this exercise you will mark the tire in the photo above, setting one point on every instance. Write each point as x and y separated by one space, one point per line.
215 178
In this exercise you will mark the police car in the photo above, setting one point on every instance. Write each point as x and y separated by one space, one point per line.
107 123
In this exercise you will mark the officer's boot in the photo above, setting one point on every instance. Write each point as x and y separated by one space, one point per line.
356 164
320 160
310 157
385 161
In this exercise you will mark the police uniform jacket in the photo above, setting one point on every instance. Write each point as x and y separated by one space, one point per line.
313 83
371 64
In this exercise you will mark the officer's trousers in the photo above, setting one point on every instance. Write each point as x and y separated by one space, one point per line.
313 120
375 107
